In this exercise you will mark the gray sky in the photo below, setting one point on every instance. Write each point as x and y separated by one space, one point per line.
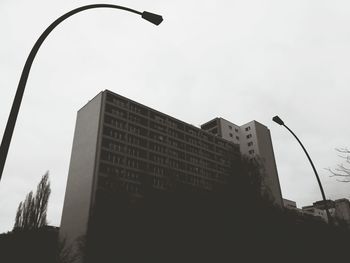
240 60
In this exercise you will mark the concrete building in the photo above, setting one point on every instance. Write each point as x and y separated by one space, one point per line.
339 210
254 141
289 204
342 211
117 141
314 211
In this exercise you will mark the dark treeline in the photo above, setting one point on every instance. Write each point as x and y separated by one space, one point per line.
27 246
234 222
231 223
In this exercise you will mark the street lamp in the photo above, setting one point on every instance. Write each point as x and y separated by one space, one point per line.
6 139
280 122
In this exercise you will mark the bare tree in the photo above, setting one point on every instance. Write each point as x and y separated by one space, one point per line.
343 169
31 214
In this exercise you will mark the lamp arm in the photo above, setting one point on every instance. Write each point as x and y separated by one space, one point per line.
316 174
6 139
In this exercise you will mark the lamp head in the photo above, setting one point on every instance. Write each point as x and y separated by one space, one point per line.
153 18
278 120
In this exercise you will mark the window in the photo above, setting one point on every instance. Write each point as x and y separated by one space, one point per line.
236 130
230 127
231 135
247 129
251 152
250 143
249 136
237 138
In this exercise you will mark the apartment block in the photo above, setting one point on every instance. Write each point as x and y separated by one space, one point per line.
117 142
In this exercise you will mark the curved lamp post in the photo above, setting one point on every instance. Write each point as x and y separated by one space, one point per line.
5 144
280 122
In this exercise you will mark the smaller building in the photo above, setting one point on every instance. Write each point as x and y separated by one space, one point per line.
314 211
254 140
342 211
289 204
339 209
322 204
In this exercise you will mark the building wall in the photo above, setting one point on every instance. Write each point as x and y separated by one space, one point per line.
289 204
229 131
265 150
79 190
314 211
117 141
342 210
138 140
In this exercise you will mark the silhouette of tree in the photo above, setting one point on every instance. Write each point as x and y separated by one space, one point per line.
343 170
35 245
31 214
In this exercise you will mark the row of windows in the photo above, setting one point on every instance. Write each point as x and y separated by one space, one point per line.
137 130
157 147
123 103
122 148
111 170
117 101
176 154
119 147
138 109
237 137
156 117
122 160
176 134
118 172
230 127
157 158
143 132
114 133
158 127
139 141
137 119
134 140
117 112
114 122
127 105
160 178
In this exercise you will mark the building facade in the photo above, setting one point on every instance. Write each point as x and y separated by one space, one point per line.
315 212
118 141
289 204
254 141
339 209
342 211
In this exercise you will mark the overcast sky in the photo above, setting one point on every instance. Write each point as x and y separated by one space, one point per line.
241 60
